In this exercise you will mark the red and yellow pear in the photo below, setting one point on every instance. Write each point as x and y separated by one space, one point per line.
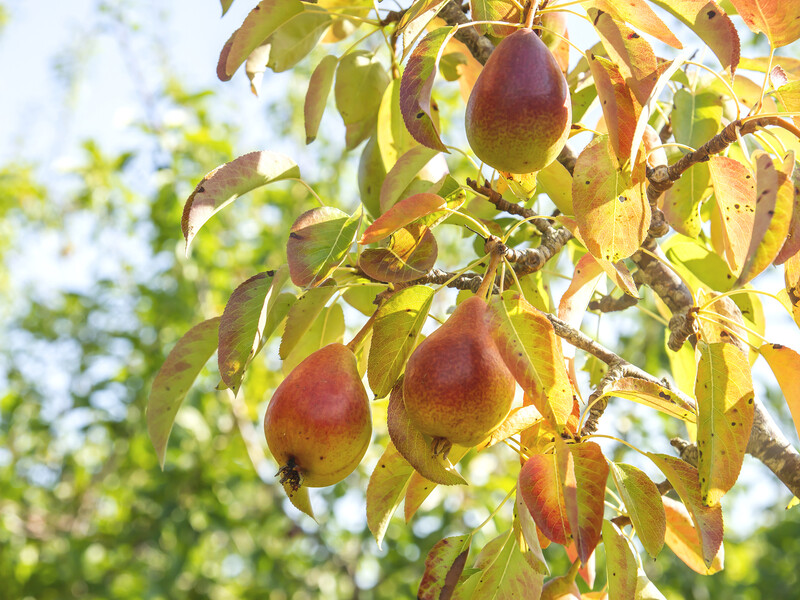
564 587
318 423
519 113
456 386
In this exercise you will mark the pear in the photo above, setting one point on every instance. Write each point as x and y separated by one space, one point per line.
456 386
318 423
564 587
519 112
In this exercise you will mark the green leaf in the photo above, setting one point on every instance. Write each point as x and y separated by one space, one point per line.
319 88
302 315
724 392
696 116
293 40
419 488
652 395
229 181
402 174
417 108
327 329
392 137
443 567
620 563
318 243
639 14
410 254
174 379
387 486
414 446
226 4
495 10
510 573
643 502
527 527
299 498
360 82
682 200
555 181
262 22
394 335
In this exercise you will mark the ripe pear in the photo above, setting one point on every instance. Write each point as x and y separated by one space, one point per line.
456 385
318 423
519 112
564 587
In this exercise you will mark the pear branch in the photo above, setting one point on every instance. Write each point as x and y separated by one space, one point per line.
480 46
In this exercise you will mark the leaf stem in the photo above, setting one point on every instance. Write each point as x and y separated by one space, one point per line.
310 189
496 510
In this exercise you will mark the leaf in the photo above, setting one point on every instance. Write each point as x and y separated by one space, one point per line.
241 328
416 86
785 365
735 191
584 493
789 96
528 529
401 214
510 574
773 216
723 323
620 563
518 420
696 116
226 4
403 173
611 208
779 21
638 14
256 65
495 10
443 567
420 488
711 24
652 395
645 590
707 519
173 380
620 109
302 315
393 138
413 445
555 181
387 486
792 244
360 82
409 256
296 38
262 22
318 243
682 201
724 392
585 278
416 19
532 352
643 504
327 328
398 322
541 480
299 498
229 181
319 88
684 540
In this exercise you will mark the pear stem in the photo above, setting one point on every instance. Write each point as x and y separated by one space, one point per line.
359 338
573 570
533 6
497 249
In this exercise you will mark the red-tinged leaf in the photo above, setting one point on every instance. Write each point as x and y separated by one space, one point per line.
711 24
518 420
223 59
773 216
229 181
296 38
643 503
414 446
683 538
420 488
527 527
416 20
510 574
532 352
735 191
791 277
707 519
621 565
792 244
242 327
724 323
402 174
174 379
360 83
639 14
401 214
387 486
398 322
319 88
696 116
584 492
620 110
652 395
409 256
620 275
443 567
302 316
588 570
262 22
495 10
416 86
779 21
541 481
611 208
631 54
318 243
785 365
682 201
588 273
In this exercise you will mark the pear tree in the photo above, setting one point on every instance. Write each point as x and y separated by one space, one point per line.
631 162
